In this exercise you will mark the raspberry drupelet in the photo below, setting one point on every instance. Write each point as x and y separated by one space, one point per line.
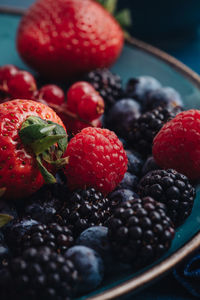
96 159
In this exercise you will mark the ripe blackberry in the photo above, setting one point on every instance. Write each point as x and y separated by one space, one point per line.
83 209
39 274
14 234
109 85
171 188
57 237
140 231
145 128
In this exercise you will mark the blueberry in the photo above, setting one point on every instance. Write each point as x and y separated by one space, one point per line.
45 204
135 162
4 253
164 96
89 265
129 182
121 116
96 238
122 195
149 165
138 88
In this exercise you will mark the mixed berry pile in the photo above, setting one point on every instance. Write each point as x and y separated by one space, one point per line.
111 203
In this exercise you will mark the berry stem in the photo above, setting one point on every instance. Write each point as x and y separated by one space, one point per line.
69 114
48 141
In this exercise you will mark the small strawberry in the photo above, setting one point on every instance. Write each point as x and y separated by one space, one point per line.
96 159
32 141
67 37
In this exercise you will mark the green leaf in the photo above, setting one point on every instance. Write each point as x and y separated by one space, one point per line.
109 5
4 219
124 18
32 120
48 177
39 146
62 143
35 132
47 139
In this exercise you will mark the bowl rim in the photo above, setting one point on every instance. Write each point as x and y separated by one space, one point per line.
146 277
143 279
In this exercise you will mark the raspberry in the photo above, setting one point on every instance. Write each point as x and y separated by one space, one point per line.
51 93
96 159
177 145
85 101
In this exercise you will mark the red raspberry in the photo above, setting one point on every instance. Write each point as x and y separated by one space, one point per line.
85 101
177 145
51 93
96 159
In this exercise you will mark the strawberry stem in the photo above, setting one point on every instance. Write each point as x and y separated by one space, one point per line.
47 140
123 16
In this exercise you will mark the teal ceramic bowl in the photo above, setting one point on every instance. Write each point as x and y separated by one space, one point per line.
137 59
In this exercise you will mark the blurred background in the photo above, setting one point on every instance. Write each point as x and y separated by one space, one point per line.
172 25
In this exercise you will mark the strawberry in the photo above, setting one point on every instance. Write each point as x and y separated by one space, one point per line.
64 38
32 140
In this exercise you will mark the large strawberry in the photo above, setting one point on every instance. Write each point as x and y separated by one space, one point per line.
32 140
67 37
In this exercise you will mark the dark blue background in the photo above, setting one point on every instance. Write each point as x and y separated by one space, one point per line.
177 33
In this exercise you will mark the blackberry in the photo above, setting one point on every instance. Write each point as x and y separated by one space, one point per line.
46 203
109 85
83 209
121 116
145 128
57 237
140 231
171 188
39 274
14 234
138 88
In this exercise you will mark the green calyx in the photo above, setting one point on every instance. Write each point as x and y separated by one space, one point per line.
48 141
4 219
123 16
